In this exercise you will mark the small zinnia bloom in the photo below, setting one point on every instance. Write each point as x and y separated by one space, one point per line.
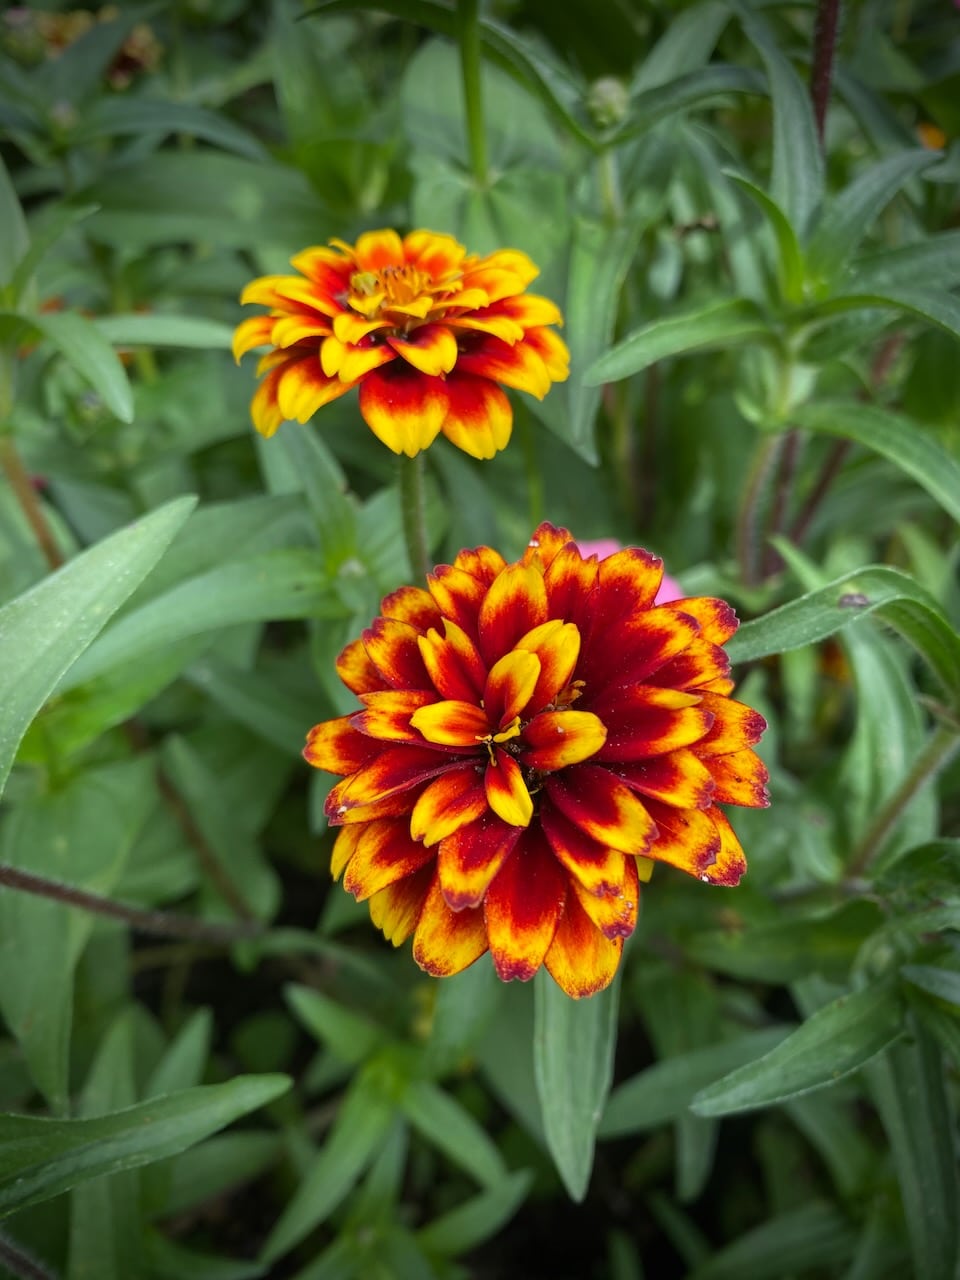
429 333
531 736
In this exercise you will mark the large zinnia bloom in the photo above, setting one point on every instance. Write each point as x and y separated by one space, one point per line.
531 736
427 333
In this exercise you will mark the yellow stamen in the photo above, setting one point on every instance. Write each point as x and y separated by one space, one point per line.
511 731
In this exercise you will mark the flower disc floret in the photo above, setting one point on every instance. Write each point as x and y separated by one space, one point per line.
428 333
531 738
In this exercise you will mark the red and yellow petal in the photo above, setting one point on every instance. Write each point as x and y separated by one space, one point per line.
557 646
509 686
264 410
522 908
469 858
678 778
377 249
452 724
396 909
551 349
384 854
303 388
437 254
518 366
393 649
507 793
514 604
337 747
482 562
253 332
602 807
556 739
631 648
730 861
686 838
344 847
450 802
388 712
596 867
734 727
739 778
614 914
459 596
430 348
403 408
716 618
446 941
412 605
581 960
453 663
645 721
357 671
392 770
478 417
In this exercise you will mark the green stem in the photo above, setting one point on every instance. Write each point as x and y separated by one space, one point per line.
531 466
414 515
610 186
469 30
162 924
935 756
750 520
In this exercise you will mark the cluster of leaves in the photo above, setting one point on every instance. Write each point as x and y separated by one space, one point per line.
764 388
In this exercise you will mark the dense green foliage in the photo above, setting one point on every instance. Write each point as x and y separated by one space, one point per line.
765 390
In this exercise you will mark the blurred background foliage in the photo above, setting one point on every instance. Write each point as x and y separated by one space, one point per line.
758 283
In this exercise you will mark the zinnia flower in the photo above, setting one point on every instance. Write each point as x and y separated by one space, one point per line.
427 332
531 736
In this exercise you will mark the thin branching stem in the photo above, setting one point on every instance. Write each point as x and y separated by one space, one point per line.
750 522
26 496
824 45
20 1263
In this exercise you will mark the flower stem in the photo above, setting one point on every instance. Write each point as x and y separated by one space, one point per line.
21 1264
414 514
935 756
469 30
824 44
26 496
749 532
163 924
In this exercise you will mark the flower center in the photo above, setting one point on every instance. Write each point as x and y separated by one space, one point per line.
406 289
511 731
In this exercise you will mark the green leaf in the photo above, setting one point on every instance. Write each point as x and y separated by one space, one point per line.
450 1128
112 116
361 1125
664 1091
790 263
42 239
600 257
265 588
350 1036
908 1087
183 1064
892 596
814 1239
796 181
43 632
847 218
935 306
15 241
718 324
573 1047
694 90
158 330
41 1158
685 46
905 443
933 261
837 1040
86 351
942 983
470 1224
254 699
81 834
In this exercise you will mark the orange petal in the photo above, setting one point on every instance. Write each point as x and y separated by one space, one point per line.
337 747
717 620
437 254
447 941
459 596
522 908
388 712
384 854
645 721
413 605
393 806
396 909
452 724
739 778
470 857
517 366
392 770
289 330
484 320
483 562
599 804
686 838
392 648
344 847
530 309
378 249
581 960
509 686
358 362
594 866
507 792
552 351
357 671
478 416
734 727
350 329
616 914
678 778
326 270
303 388
557 646
453 663
730 863
430 348
264 410
546 543
514 604
253 332
447 804
555 739
403 408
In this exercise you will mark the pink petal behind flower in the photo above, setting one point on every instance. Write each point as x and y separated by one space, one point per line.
670 589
